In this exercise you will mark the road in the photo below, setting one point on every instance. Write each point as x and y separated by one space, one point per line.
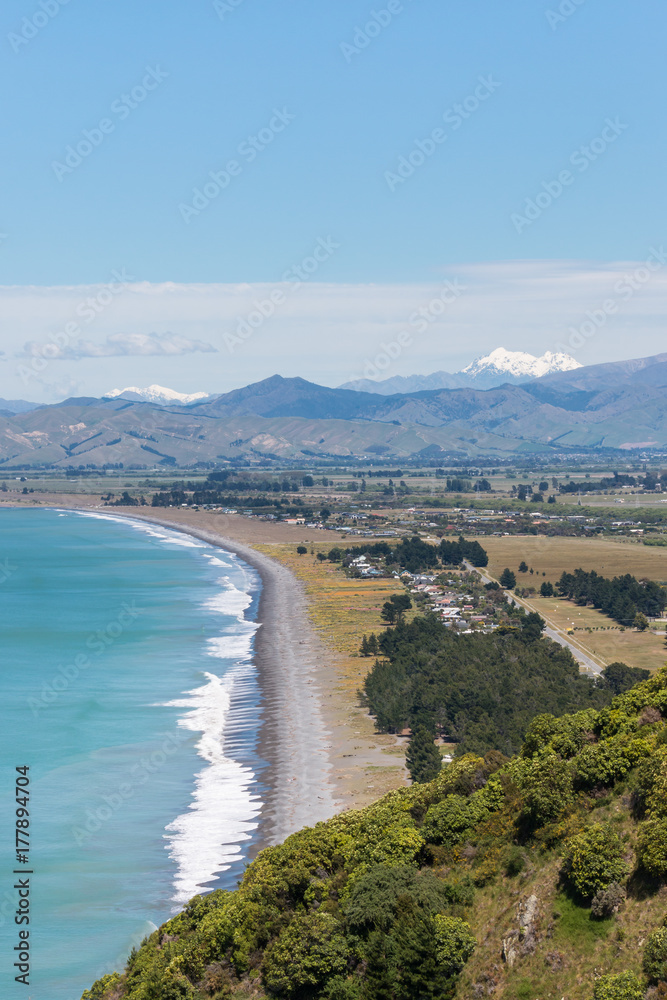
585 660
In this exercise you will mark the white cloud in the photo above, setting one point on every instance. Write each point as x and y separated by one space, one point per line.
119 345
324 332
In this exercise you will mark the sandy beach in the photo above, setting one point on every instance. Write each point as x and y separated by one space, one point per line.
323 753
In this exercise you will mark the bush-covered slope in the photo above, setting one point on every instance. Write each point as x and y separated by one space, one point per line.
544 875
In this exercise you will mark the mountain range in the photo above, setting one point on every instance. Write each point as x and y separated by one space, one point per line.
617 406
497 368
156 394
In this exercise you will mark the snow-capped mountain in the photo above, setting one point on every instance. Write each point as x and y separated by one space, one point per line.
491 370
516 366
157 394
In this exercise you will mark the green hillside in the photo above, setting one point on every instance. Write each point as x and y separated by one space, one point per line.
543 875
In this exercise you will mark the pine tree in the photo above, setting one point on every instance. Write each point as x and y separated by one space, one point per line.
423 758
365 651
373 648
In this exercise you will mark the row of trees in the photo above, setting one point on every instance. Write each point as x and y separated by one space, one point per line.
622 598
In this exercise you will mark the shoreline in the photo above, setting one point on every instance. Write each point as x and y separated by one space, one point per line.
293 738
323 754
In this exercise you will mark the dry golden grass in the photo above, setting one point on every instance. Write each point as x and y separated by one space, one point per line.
605 640
553 556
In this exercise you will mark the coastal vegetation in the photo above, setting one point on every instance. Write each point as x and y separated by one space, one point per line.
481 691
542 874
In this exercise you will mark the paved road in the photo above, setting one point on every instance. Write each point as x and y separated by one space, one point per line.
585 661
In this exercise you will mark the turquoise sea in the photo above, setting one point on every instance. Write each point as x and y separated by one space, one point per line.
127 685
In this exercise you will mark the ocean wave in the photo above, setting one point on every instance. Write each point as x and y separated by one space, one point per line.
215 561
229 600
223 813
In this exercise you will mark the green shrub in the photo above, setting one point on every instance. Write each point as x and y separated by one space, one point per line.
310 950
515 861
625 986
449 821
547 786
455 943
373 901
655 956
610 761
102 988
607 902
593 860
652 847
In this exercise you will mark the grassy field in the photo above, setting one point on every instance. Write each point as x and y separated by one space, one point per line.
553 556
602 637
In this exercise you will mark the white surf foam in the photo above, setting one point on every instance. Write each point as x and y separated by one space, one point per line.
224 809
223 812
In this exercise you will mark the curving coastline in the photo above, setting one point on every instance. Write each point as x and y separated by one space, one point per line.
294 739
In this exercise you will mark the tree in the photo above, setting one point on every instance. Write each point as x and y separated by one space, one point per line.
307 481
364 650
594 859
325 513
641 622
373 648
532 626
302 550
507 579
544 486
547 590
523 567
389 613
620 677
423 758
402 603
321 557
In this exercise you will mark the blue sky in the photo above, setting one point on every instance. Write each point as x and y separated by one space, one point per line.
340 95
